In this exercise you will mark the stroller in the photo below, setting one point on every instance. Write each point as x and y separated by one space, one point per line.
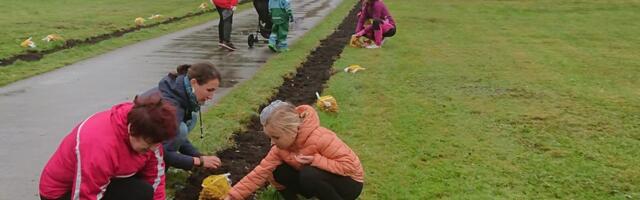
264 22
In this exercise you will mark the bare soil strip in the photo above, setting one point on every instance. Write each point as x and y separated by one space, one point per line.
252 145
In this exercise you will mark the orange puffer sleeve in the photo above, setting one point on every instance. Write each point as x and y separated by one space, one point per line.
336 157
257 177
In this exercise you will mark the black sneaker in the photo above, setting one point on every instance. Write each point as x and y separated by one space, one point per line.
231 45
228 45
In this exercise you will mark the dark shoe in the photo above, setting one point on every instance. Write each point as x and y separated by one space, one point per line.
228 45
231 45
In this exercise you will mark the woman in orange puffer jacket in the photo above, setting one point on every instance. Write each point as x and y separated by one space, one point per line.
306 158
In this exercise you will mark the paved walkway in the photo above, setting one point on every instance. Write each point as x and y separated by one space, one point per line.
38 112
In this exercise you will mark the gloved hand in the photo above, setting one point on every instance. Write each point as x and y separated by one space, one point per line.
234 8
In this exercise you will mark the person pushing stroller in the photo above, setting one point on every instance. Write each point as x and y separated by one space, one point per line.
281 15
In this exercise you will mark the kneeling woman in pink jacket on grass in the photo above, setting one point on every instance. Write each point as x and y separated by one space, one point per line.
306 158
113 154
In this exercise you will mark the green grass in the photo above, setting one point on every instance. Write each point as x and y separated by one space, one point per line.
83 23
234 110
480 100
497 100
76 19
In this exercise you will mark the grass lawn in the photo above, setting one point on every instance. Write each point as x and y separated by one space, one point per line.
497 100
75 19
481 100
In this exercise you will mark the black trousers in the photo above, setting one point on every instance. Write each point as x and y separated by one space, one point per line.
314 182
132 188
224 26
389 33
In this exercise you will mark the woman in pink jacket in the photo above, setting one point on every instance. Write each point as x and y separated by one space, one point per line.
380 25
306 158
113 154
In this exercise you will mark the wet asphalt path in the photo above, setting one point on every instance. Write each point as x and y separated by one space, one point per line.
36 113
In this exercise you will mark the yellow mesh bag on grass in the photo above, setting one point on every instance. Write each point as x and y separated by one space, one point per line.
327 103
355 42
139 21
203 6
359 42
215 187
354 68
52 37
156 17
28 43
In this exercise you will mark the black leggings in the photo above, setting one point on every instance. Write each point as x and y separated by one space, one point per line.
224 26
314 182
132 188
389 33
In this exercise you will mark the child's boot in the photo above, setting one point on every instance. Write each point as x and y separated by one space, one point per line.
283 47
272 42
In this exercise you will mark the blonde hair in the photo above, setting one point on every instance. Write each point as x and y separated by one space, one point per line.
284 118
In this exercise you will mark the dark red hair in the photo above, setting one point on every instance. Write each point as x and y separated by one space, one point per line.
152 118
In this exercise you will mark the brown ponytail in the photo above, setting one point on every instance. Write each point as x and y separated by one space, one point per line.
180 70
202 72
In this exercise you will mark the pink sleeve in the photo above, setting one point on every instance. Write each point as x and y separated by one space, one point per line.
361 19
153 173
94 169
386 14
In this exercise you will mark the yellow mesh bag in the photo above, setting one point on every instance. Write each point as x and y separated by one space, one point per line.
203 6
355 42
28 43
215 187
354 68
52 37
139 21
359 42
327 103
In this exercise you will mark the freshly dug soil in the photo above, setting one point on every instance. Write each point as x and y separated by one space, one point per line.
252 145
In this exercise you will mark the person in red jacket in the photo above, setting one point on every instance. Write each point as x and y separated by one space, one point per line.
113 154
305 159
225 9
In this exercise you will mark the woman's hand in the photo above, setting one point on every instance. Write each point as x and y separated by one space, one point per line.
227 197
210 162
302 159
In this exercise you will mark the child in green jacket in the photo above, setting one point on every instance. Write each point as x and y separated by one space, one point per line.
281 15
